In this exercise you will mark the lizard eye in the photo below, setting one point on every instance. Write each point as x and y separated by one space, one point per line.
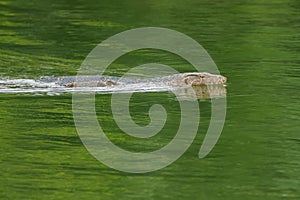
201 75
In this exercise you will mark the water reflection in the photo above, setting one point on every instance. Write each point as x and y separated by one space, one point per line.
202 92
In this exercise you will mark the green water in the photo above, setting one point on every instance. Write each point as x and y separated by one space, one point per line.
254 43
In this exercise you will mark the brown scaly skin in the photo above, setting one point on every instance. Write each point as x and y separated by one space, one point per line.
195 79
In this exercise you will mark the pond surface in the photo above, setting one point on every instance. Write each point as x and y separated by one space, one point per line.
255 44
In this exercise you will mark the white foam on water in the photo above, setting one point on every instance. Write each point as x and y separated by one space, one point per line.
22 86
22 83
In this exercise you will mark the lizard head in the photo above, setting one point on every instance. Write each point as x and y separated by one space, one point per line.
203 78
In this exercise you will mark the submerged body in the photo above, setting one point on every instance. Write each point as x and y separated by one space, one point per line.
204 85
183 79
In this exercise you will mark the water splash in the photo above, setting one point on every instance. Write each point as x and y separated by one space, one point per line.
22 86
